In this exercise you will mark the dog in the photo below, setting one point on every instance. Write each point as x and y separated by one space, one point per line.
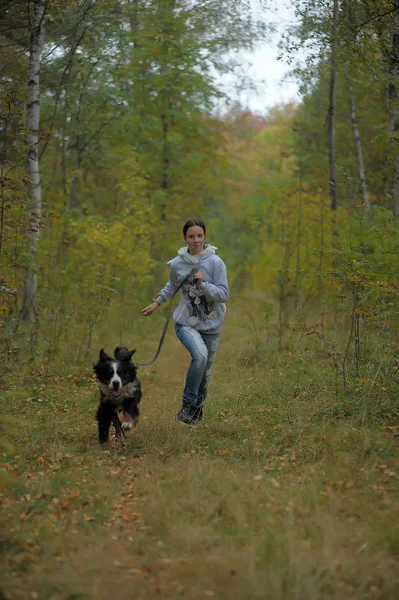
120 390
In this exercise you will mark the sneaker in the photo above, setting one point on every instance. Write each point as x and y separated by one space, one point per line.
190 414
199 413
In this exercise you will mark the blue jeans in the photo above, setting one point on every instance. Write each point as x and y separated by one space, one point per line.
202 347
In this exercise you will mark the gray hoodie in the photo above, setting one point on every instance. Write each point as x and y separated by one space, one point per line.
200 307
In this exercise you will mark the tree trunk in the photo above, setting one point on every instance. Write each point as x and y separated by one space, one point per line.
298 284
33 123
165 166
358 144
393 98
331 109
134 21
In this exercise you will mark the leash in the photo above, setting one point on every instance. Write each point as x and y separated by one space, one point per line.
165 327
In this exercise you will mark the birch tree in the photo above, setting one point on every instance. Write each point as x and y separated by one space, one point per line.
352 31
37 12
340 37
358 144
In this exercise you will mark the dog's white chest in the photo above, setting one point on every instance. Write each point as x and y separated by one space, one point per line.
127 391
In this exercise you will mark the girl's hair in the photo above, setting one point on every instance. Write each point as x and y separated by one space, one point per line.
193 223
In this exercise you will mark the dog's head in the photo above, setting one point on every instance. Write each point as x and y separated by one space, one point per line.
116 373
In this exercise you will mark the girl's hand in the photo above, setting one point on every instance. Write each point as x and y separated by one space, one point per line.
148 310
198 278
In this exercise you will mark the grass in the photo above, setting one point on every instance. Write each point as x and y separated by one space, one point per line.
285 491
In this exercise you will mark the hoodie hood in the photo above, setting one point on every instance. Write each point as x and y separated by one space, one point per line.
195 258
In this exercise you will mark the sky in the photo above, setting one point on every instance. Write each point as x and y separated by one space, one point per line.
271 76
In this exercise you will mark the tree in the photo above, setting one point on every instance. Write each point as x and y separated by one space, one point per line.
393 98
33 126
350 9
364 52
332 108
358 145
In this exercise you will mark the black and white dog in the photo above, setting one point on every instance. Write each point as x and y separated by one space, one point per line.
120 390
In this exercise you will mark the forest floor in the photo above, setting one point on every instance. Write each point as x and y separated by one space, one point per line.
281 492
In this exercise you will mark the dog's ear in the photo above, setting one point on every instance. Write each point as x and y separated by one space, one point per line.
104 356
122 353
130 354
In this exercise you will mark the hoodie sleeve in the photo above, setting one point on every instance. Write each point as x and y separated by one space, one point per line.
169 289
218 290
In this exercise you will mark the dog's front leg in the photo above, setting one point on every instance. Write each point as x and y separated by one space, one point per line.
130 414
119 435
104 418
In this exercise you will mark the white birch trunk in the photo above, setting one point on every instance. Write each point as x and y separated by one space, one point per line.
33 123
331 109
358 144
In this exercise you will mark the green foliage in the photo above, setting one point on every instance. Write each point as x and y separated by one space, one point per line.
131 147
364 46
14 224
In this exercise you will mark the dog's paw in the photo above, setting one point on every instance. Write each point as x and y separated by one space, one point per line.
126 426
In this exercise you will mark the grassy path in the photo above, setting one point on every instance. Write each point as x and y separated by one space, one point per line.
270 497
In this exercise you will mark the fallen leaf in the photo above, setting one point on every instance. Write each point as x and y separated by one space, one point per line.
88 517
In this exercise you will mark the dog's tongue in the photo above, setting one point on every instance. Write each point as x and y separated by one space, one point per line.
116 393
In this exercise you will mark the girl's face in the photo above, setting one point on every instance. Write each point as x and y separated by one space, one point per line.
195 239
